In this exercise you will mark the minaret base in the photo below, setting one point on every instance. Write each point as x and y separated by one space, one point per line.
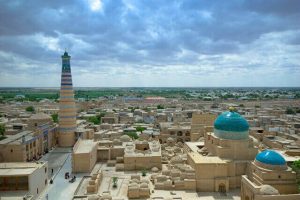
66 139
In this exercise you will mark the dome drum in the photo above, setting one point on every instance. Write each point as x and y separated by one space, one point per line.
229 135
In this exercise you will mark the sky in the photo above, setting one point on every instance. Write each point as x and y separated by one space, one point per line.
151 43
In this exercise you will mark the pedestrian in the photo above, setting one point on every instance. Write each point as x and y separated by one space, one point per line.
51 181
46 196
52 171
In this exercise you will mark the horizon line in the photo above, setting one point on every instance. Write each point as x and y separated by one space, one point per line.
49 87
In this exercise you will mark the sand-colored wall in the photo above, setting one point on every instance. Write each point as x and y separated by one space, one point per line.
206 119
84 162
277 197
251 191
233 149
38 180
283 180
142 162
12 153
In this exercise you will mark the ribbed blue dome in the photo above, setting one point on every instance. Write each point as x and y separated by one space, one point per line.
231 121
270 157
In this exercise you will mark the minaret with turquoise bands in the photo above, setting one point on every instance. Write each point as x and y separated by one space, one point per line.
67 107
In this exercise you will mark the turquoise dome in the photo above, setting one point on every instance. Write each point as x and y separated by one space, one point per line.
231 125
270 157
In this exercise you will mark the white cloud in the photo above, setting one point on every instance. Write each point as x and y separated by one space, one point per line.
50 43
95 5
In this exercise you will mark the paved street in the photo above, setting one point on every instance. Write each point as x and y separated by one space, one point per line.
60 160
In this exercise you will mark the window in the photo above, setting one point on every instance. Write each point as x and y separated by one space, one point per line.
279 176
11 150
179 133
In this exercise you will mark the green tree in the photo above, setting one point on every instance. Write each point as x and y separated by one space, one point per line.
290 111
94 120
160 107
115 181
30 109
55 117
133 135
144 172
140 129
296 165
2 130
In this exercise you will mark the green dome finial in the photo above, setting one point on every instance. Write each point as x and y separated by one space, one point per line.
232 109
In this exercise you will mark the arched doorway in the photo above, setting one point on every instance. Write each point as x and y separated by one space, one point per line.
222 188
179 140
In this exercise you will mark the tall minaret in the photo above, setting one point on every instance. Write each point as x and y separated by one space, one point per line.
67 107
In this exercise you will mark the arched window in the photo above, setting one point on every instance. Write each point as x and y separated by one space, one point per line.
179 133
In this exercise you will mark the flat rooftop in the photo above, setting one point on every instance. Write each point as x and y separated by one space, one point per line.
17 138
198 158
85 146
19 168
194 146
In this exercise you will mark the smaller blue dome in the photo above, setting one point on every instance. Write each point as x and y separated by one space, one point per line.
270 157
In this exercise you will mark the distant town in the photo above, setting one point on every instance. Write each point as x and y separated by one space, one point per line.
205 94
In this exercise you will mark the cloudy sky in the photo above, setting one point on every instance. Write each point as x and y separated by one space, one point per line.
125 43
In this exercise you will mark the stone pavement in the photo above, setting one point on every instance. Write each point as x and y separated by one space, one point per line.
60 160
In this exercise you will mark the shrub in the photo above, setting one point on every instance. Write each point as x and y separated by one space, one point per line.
2 129
140 129
30 109
290 111
133 135
55 117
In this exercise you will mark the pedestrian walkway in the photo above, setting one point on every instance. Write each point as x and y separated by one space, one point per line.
61 189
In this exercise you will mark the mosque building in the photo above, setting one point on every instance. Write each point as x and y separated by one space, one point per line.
224 156
67 107
269 177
